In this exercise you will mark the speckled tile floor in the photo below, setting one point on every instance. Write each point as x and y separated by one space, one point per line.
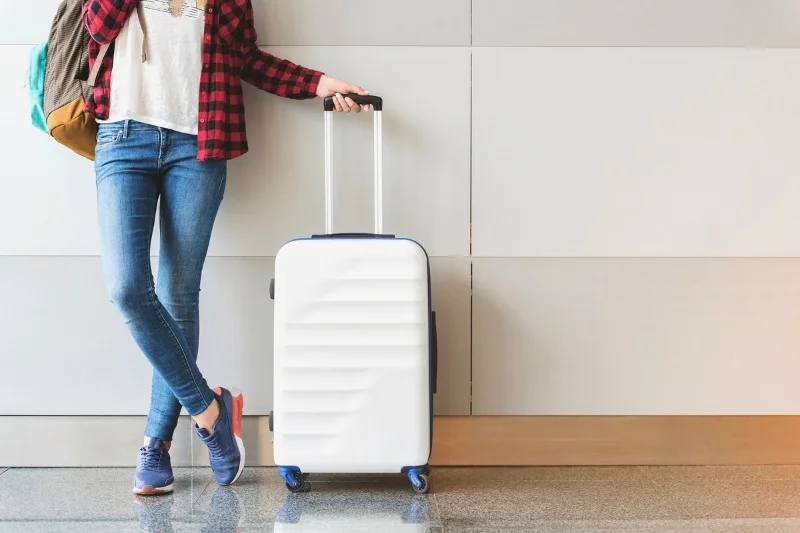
469 500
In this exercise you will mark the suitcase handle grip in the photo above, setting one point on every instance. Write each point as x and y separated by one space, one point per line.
375 101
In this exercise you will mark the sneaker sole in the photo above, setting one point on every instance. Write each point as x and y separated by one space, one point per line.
237 401
152 491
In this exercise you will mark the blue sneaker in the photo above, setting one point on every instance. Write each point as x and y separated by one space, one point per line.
225 445
154 470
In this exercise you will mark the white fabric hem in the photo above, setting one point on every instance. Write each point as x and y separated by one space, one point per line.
152 122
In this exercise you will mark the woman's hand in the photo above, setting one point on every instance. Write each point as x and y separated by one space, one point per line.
332 87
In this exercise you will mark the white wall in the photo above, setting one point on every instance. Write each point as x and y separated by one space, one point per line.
608 190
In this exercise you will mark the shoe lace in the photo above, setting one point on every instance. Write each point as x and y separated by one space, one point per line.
150 458
215 449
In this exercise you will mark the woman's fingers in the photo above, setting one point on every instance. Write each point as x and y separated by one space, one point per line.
344 106
353 106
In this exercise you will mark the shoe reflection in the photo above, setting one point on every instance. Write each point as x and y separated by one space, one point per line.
226 512
328 507
353 512
224 515
154 513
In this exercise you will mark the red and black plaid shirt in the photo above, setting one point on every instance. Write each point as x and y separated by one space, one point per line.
230 54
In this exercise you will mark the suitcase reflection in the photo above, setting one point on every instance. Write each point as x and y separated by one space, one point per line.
367 510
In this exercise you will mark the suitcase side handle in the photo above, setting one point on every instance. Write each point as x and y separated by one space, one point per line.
377 103
434 353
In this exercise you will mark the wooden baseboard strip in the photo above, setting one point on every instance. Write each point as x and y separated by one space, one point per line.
458 441
616 440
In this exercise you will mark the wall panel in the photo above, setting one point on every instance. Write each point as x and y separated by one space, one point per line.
301 22
275 193
637 153
66 351
636 337
659 23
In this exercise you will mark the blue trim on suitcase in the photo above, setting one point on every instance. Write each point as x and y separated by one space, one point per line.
411 471
290 475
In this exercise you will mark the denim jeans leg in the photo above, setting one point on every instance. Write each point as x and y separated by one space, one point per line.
191 193
128 188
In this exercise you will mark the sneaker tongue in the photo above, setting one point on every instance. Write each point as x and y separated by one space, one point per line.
155 443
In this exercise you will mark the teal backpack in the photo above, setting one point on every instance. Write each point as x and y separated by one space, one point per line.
60 81
36 69
57 81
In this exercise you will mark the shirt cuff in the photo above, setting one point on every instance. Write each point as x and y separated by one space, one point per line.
313 82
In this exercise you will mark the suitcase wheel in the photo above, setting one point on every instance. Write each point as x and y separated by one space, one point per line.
300 484
419 480
295 481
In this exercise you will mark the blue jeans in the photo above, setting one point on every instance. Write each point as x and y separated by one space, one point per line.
137 165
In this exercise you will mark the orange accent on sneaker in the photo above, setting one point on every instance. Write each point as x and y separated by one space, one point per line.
238 407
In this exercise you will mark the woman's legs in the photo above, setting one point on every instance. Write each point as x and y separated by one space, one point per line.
136 165
128 165
191 193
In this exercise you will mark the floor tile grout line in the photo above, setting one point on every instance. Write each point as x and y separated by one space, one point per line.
438 511
194 468
199 498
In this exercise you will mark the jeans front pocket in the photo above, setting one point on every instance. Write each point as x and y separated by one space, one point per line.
107 136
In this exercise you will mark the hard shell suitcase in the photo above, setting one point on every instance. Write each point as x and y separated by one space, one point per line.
354 346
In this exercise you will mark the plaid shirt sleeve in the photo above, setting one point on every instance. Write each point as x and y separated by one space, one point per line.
272 74
105 18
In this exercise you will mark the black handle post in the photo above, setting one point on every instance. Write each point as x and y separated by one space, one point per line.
375 101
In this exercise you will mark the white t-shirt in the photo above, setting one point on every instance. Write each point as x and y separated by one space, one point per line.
163 91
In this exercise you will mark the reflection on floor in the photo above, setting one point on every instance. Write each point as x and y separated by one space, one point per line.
462 500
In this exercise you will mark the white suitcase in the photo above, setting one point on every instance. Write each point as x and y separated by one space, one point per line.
355 347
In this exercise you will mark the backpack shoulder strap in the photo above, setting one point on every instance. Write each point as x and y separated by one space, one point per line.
97 64
104 48
140 13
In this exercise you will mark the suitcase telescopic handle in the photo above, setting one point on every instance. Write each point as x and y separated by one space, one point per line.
377 105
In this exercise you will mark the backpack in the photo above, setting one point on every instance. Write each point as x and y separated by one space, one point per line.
60 82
